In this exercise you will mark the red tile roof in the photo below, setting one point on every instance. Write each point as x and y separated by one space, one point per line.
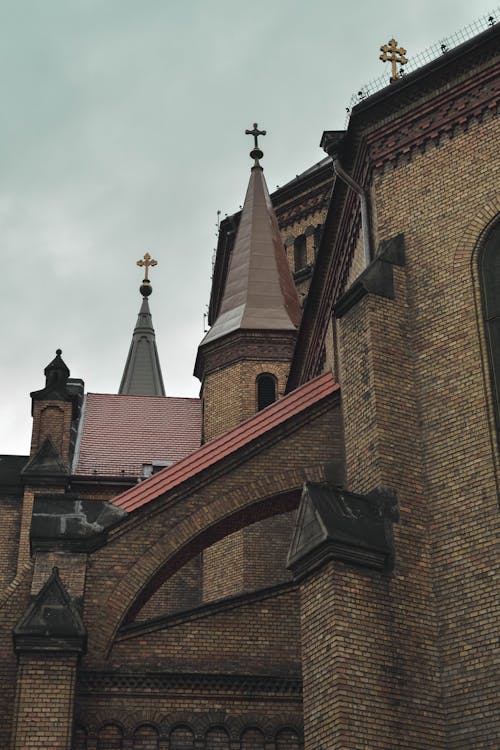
121 432
222 446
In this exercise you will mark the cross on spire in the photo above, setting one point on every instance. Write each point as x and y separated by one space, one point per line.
256 152
147 263
395 55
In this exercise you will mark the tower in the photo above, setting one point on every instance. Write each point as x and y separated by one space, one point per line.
142 374
244 359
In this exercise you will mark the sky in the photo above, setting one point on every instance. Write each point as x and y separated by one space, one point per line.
122 132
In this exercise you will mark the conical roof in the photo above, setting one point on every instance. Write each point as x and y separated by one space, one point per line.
259 293
142 373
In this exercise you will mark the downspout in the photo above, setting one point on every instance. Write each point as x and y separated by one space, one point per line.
365 214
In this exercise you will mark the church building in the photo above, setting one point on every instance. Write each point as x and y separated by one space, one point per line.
304 557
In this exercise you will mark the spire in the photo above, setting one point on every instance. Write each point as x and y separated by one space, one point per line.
142 373
259 292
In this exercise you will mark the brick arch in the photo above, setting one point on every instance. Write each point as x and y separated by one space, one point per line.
471 239
261 479
274 494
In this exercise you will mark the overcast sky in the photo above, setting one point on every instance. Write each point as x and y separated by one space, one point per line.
122 131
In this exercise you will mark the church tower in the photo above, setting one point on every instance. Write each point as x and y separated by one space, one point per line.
244 359
142 373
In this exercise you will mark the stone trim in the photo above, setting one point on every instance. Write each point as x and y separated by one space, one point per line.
377 278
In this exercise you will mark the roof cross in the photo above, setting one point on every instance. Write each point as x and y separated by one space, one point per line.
146 263
395 55
256 153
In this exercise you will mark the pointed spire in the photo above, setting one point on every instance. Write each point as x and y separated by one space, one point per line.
259 292
142 374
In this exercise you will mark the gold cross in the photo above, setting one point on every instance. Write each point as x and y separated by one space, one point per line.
393 54
147 262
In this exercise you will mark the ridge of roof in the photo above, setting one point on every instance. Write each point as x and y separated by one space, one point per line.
229 442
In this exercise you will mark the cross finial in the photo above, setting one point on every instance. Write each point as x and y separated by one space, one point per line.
395 55
256 153
146 263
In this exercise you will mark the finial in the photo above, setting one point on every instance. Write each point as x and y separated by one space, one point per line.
146 288
256 153
395 55
58 352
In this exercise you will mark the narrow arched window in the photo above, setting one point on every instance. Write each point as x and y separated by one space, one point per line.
300 252
266 390
489 266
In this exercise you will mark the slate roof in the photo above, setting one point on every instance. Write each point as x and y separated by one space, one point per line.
142 373
119 433
224 445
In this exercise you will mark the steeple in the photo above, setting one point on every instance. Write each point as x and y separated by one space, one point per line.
259 293
142 373
244 359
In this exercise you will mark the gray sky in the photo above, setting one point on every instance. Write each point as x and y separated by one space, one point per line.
122 131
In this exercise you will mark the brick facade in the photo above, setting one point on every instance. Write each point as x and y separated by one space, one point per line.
194 634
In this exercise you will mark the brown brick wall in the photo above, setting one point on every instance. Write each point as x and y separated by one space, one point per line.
350 669
13 603
254 638
249 559
52 419
383 448
44 702
10 512
230 394
446 204
182 591
183 724
122 570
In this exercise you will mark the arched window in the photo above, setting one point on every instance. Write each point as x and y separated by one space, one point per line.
110 738
266 390
300 252
489 266
146 738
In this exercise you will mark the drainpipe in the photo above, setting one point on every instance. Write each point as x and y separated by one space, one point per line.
365 216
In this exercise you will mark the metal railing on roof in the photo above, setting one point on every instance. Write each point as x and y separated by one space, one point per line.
419 59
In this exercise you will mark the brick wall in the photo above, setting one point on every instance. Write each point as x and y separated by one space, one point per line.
10 512
230 394
52 419
44 702
446 204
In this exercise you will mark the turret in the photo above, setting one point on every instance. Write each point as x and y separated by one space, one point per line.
244 359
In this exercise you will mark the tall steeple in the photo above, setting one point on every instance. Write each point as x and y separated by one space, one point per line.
142 373
259 293
244 359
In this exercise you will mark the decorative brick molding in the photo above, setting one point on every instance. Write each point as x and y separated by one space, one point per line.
249 685
241 346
